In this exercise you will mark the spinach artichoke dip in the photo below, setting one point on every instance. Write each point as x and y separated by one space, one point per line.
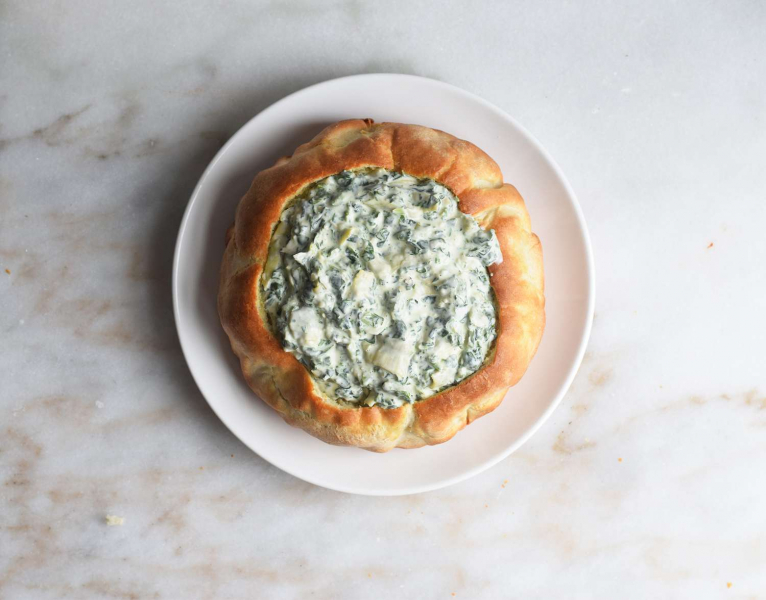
378 284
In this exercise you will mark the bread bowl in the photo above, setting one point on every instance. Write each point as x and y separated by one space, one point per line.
382 286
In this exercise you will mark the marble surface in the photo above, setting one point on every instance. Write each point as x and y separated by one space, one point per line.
647 482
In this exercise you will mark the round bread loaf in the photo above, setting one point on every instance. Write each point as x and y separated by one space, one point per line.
382 406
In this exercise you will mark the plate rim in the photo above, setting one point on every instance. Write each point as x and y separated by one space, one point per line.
590 274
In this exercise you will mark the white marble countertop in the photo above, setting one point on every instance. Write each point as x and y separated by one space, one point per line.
647 482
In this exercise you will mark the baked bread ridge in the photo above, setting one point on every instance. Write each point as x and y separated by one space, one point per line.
278 378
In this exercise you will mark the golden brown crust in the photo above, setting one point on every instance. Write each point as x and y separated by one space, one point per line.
276 375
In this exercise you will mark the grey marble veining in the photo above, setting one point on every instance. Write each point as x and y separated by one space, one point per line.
646 482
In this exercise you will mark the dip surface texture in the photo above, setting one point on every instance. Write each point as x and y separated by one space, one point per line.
378 284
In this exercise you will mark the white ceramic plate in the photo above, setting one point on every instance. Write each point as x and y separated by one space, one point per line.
556 218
